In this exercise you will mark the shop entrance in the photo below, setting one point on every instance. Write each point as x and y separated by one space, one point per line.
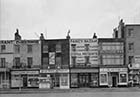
114 81
24 81
84 80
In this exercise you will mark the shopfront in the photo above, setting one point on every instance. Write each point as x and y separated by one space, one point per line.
54 78
113 77
25 79
4 78
84 78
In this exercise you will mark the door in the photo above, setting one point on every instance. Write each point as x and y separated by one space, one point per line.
114 81
24 81
83 80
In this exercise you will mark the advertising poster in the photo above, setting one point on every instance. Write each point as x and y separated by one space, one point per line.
84 50
51 57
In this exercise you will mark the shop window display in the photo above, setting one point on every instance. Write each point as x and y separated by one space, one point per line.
103 78
123 78
74 80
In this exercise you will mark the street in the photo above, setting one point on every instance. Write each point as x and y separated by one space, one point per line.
105 92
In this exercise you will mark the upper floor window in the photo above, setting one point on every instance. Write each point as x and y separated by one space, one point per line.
86 47
45 48
17 48
30 62
45 61
29 48
3 62
58 47
73 47
130 59
130 46
86 59
130 32
3 47
73 60
17 62
58 61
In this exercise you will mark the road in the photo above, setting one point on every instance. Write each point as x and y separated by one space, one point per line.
79 93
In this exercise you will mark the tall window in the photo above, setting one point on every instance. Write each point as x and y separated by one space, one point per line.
2 62
86 59
130 59
58 47
30 62
58 60
86 47
17 62
73 60
130 32
45 48
29 48
45 61
3 47
73 47
131 46
17 48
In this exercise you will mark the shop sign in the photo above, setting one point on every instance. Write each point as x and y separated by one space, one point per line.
24 72
134 66
113 69
83 40
6 41
27 42
112 51
55 71
137 59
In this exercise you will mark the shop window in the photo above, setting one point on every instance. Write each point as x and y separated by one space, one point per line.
74 80
17 48
3 47
103 78
30 62
123 78
45 48
73 47
94 79
29 48
64 79
58 47
3 62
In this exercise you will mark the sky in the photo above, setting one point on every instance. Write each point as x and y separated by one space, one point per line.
54 18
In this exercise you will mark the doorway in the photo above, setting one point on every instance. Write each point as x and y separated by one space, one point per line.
84 80
24 81
114 81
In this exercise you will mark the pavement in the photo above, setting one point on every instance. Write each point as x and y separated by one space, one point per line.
76 90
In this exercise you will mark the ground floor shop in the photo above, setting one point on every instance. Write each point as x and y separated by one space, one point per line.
4 78
84 78
52 78
113 77
24 79
134 77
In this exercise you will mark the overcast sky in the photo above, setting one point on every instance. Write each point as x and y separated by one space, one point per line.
55 17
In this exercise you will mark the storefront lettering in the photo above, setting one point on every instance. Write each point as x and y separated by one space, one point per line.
55 71
24 72
6 41
113 69
83 40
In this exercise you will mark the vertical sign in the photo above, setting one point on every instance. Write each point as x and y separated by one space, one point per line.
51 57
